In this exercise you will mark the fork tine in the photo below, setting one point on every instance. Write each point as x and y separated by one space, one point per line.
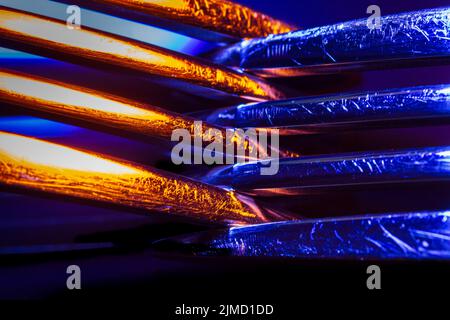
221 16
52 37
423 235
297 175
402 39
317 114
34 164
48 96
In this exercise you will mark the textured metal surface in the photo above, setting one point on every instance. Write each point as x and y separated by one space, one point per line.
402 236
413 35
55 38
47 167
311 114
45 95
217 15
338 170
48 96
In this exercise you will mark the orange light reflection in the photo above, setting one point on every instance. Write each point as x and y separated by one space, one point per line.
81 103
96 107
52 168
53 35
217 15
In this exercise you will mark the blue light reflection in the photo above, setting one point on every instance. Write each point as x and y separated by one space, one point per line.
36 127
123 27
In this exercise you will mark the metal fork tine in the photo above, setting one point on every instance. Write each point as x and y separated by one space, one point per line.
346 111
48 96
296 176
419 235
52 37
225 17
402 39
33 164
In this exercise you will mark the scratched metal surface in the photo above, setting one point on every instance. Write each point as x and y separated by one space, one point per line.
406 236
386 105
420 34
346 169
